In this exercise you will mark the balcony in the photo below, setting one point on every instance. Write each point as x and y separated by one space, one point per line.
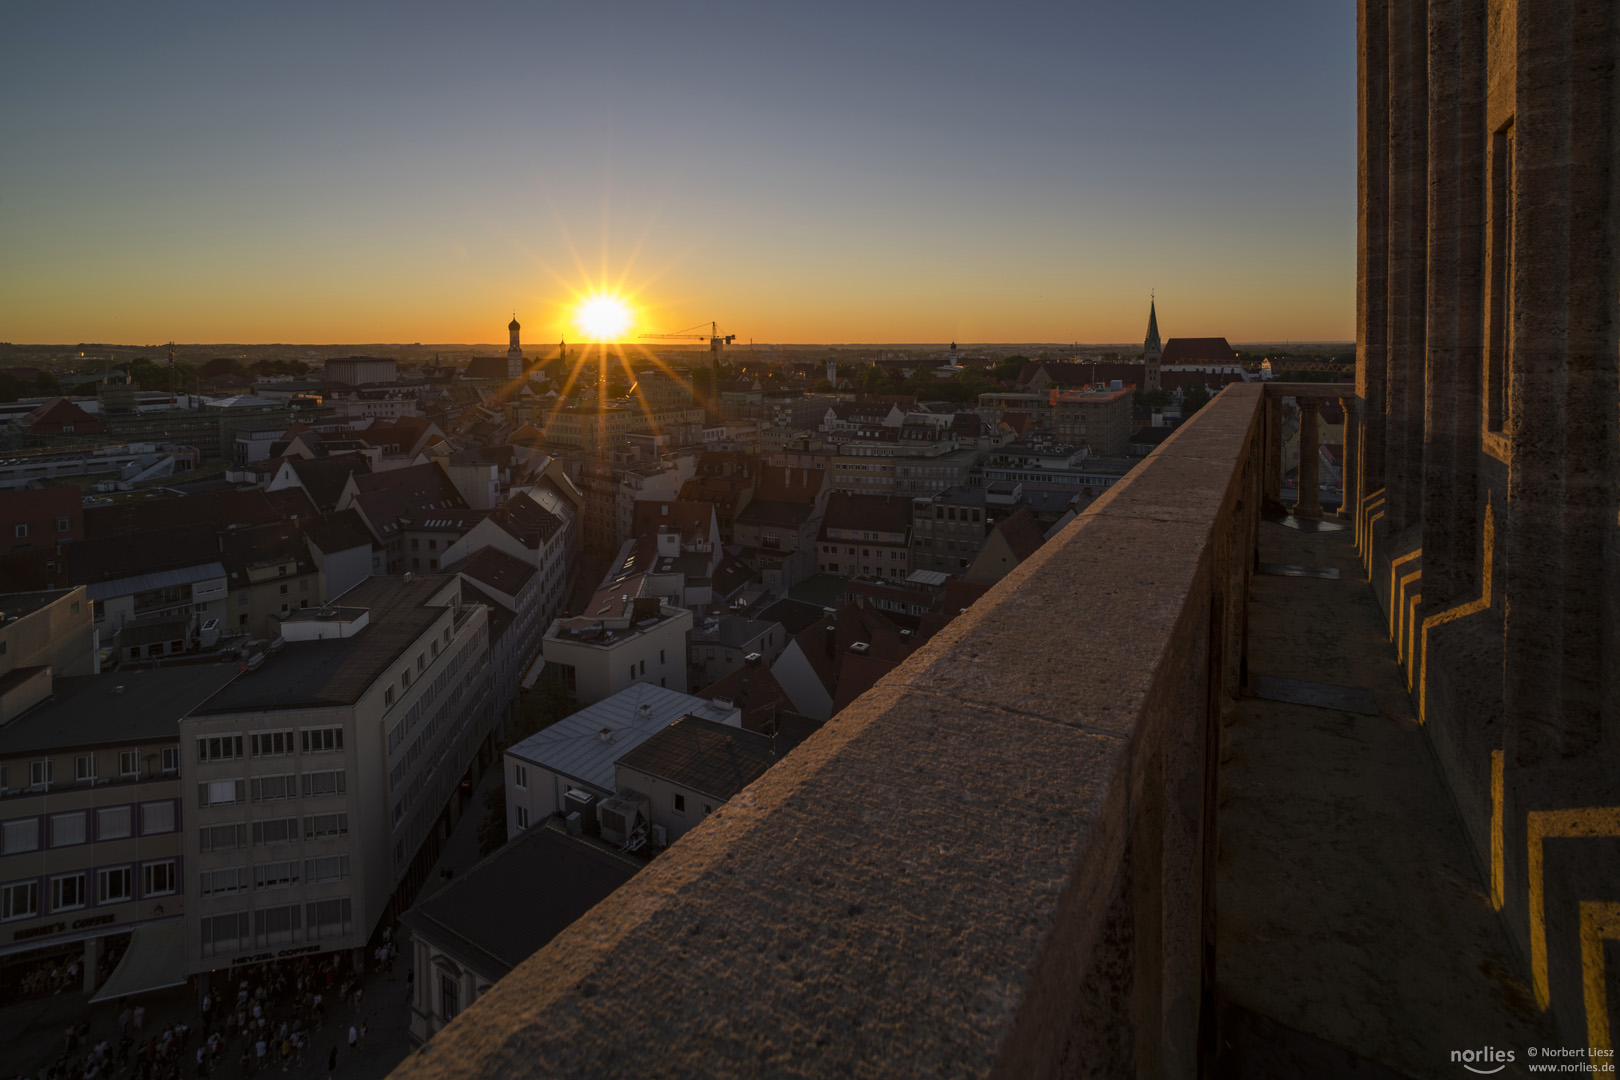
1157 805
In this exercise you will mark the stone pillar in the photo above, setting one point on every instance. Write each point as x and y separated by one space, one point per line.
1348 471
1455 302
92 964
1310 455
1408 240
1562 392
1372 242
1271 488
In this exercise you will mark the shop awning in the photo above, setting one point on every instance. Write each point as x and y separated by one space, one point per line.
155 960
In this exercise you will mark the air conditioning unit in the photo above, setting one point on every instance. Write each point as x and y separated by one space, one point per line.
660 836
581 804
622 815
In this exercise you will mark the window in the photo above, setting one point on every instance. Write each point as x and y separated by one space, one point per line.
157 817
157 878
319 826
283 590
661 656
327 918
272 743
268 788
326 868
220 792
680 804
19 901
523 817
223 837
84 768
520 776
271 926
129 763
114 885
63 525
40 773
232 879
67 892
275 875
20 531
171 759
322 740
21 834
275 831
317 784
388 696
113 823
219 748
224 933
67 829
449 996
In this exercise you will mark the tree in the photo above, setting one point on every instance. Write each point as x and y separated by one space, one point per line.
874 380
1193 398
1153 399
47 383
10 387
823 386
1008 368
222 365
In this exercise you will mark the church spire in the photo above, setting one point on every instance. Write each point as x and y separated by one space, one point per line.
1152 344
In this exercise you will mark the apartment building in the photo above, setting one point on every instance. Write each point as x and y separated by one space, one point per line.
91 817
315 782
1097 419
620 642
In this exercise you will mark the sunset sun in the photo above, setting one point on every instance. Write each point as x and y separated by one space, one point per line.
603 318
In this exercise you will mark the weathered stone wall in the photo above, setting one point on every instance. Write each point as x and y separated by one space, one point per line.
998 862
1493 531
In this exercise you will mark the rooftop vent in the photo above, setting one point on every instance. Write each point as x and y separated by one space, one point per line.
861 648
644 709
606 734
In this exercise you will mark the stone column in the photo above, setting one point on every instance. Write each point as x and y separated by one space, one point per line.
1372 242
1408 240
1348 470
1271 485
1310 454
1455 302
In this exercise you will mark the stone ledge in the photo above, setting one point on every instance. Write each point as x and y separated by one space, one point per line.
939 881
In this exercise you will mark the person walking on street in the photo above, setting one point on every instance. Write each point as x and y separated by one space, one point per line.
354 1038
331 1062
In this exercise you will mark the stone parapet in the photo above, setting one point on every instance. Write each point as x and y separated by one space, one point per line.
998 862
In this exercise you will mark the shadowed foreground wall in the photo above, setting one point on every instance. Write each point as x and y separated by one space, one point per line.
995 863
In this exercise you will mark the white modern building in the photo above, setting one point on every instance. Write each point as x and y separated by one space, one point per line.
578 753
317 783
620 642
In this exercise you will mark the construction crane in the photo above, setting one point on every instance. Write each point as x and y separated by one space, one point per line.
716 341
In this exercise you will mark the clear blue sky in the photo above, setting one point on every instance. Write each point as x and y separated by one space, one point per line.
395 172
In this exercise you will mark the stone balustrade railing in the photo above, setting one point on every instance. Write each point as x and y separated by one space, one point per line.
1309 396
998 862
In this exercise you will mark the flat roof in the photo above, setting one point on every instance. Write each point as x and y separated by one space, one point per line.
123 707
576 748
337 671
512 904
706 757
18 604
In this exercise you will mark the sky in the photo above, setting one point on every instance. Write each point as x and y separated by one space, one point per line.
806 173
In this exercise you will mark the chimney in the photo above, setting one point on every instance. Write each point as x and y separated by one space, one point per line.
832 639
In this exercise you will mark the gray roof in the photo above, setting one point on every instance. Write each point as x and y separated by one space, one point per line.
709 758
733 631
510 905
186 575
574 746
122 708
337 671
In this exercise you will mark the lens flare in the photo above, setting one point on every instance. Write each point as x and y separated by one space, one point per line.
602 318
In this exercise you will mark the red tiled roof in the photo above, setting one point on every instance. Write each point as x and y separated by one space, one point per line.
1198 350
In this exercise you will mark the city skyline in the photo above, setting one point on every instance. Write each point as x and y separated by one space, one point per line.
871 178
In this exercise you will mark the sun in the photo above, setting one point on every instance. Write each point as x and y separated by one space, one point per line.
602 317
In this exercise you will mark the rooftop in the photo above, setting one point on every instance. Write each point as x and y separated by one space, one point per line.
585 745
143 705
22 604
703 756
515 901
338 671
